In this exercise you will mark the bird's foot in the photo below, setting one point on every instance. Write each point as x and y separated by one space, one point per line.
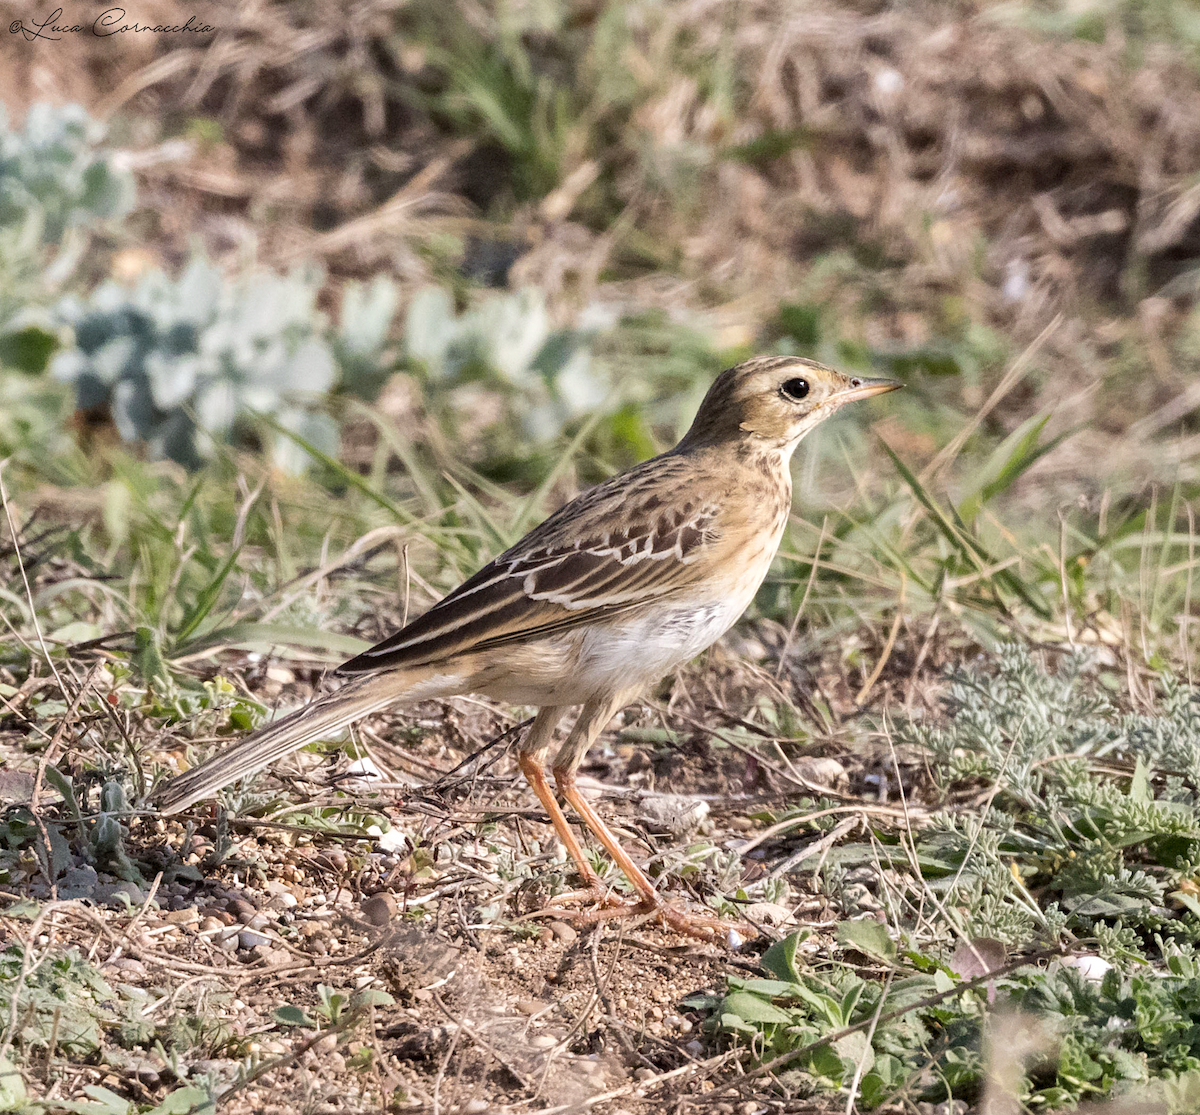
605 905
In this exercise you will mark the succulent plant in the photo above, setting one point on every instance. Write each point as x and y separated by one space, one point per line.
180 361
53 176
507 339
54 179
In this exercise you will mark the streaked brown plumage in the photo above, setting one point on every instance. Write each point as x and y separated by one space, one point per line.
621 585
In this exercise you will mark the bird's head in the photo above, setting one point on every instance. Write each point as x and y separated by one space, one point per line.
775 401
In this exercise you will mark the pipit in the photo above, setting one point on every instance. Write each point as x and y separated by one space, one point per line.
617 588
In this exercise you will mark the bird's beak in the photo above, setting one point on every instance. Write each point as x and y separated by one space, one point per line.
861 388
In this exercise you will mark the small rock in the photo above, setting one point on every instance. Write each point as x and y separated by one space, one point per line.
529 1006
77 882
379 909
476 1106
118 895
211 925
769 913
563 932
823 771
185 916
543 1041
229 943
695 1048
644 1074
750 1107
677 813
127 966
222 915
248 939
242 910
312 928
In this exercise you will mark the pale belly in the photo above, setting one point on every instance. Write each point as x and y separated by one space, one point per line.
625 654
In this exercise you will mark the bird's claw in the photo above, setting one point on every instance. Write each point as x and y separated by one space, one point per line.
606 906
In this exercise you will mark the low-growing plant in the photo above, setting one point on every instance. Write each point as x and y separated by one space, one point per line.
55 179
180 363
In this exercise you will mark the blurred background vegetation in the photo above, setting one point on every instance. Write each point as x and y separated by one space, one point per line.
303 320
443 264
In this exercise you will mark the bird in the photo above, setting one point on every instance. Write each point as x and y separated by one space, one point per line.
623 584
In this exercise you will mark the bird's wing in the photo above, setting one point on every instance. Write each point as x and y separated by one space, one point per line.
615 547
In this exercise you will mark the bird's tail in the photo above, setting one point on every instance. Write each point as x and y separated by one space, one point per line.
320 718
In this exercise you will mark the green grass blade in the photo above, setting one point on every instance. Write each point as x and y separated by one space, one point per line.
207 598
264 635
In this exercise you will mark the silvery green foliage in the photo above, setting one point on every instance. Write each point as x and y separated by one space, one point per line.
180 361
54 181
53 177
1102 807
368 310
509 336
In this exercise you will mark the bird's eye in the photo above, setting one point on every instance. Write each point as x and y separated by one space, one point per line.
795 389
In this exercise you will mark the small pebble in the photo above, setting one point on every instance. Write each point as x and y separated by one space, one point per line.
529 1006
694 1048
211 925
248 939
185 916
643 1074
118 895
563 932
242 910
656 1013
379 909
543 1041
476 1106
750 1107
311 928
222 915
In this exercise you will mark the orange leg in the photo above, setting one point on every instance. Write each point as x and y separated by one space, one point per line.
534 772
706 928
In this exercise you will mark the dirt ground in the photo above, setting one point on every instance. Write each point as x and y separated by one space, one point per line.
496 1001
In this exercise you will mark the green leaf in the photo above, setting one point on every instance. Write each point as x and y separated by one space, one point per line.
752 1008
372 997
252 636
289 1015
780 958
1188 900
12 1087
189 1100
1139 786
868 936
206 599
28 350
104 1102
